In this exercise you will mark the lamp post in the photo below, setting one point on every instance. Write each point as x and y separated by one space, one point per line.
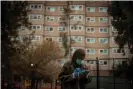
32 76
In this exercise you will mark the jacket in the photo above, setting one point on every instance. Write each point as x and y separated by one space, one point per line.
67 79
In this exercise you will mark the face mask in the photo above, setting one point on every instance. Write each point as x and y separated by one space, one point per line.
79 61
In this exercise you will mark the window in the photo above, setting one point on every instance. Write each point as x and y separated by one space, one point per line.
90 30
91 9
49 39
61 8
103 9
76 38
103 19
36 27
114 29
103 40
103 51
61 28
34 16
61 19
59 39
35 38
116 62
113 39
22 28
103 30
124 62
91 61
90 40
117 50
76 28
36 6
73 49
76 7
20 38
50 18
76 17
49 28
90 19
102 62
51 9
90 51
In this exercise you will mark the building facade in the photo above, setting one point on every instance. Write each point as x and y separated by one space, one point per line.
88 24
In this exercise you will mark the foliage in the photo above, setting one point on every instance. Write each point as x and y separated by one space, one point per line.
122 14
40 56
122 20
13 16
66 36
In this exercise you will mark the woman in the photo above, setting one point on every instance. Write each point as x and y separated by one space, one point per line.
69 77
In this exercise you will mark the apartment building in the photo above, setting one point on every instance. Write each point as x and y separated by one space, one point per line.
89 26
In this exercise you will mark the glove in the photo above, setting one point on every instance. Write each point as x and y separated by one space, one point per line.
85 72
77 71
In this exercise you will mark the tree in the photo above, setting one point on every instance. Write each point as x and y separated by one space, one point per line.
66 36
122 13
14 15
39 61
122 19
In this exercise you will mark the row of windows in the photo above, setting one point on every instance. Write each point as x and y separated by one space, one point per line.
33 38
105 62
88 40
72 17
78 39
78 28
72 7
92 51
72 28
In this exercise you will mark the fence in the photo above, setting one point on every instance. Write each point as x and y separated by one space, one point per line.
103 74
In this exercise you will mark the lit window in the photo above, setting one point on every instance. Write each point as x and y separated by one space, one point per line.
90 40
48 28
103 19
76 17
76 38
103 9
103 51
117 50
51 9
90 51
61 8
61 28
76 7
34 16
103 40
103 30
91 9
90 19
90 30
76 28
36 27
35 6
50 18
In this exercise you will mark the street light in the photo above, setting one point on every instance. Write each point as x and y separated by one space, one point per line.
31 65
32 76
